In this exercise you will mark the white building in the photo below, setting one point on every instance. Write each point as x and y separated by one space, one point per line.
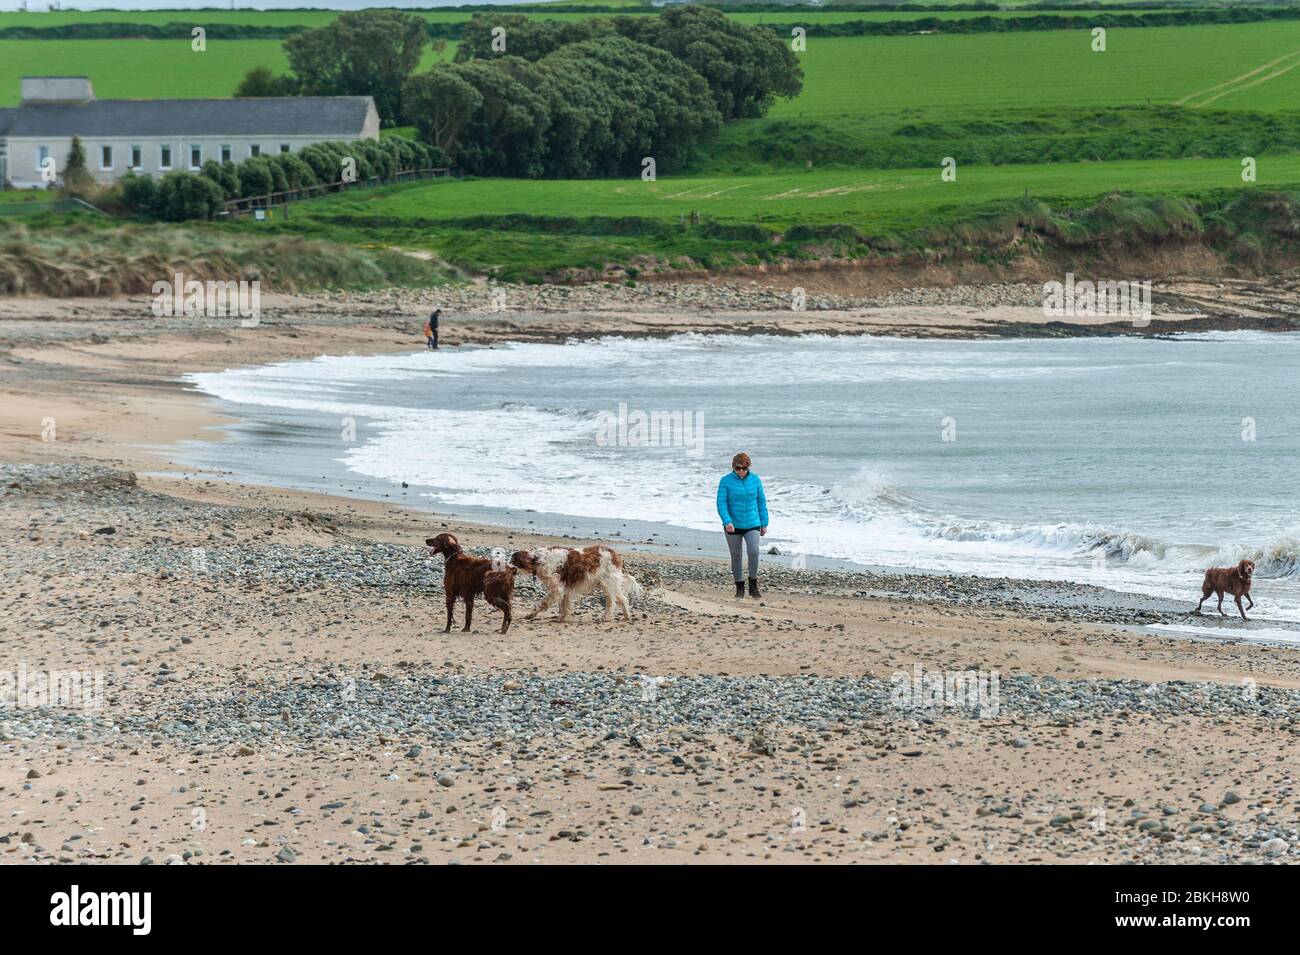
157 136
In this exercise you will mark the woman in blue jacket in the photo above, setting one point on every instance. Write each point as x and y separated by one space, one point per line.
743 509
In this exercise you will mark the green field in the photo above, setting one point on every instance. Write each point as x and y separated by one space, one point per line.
527 228
874 201
1252 66
960 74
174 70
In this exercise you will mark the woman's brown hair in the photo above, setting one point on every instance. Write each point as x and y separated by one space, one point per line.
740 461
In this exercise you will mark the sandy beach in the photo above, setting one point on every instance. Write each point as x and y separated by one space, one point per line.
277 688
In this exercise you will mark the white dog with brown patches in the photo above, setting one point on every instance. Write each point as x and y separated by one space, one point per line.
568 574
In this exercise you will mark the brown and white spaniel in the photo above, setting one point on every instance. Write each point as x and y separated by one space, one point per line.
568 574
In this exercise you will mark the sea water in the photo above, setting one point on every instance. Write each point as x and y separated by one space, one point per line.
1129 462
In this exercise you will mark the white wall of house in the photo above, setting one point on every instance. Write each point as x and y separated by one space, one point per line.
155 156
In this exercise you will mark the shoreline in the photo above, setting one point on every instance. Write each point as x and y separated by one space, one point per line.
133 369
261 642
1067 599
556 313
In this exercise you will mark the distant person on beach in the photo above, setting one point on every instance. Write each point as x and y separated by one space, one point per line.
743 509
431 329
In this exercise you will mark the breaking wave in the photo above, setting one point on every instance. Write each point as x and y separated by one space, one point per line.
869 499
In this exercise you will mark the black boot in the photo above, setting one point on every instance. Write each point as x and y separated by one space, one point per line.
740 590
753 587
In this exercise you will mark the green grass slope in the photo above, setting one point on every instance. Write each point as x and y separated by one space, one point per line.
532 228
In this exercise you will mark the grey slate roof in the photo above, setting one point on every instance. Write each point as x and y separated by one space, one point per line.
6 117
330 116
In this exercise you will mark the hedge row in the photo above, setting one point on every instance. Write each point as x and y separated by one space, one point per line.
149 31
852 28
181 195
1051 18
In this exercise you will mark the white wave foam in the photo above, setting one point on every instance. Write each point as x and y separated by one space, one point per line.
542 455
1254 635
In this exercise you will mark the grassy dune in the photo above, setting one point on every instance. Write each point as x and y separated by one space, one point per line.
94 256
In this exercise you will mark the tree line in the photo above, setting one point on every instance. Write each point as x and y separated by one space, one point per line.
1017 24
453 30
543 98
121 29
180 195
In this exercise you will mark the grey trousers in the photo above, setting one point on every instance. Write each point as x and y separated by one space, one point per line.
750 540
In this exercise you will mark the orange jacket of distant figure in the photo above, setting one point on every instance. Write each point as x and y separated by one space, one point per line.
428 332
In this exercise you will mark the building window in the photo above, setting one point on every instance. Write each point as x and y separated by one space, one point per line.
254 150
284 147
137 157
105 158
227 154
42 154
164 157
196 157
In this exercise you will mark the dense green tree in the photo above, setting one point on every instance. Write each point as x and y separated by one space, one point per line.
226 175
524 37
505 135
365 169
745 66
322 162
255 178
597 107
279 181
77 180
260 81
429 157
140 193
363 53
439 103
296 171
379 161
261 175
639 102
182 196
402 150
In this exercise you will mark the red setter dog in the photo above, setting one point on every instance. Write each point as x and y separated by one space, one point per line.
1228 580
465 577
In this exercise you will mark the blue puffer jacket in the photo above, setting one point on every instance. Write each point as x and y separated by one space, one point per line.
741 502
